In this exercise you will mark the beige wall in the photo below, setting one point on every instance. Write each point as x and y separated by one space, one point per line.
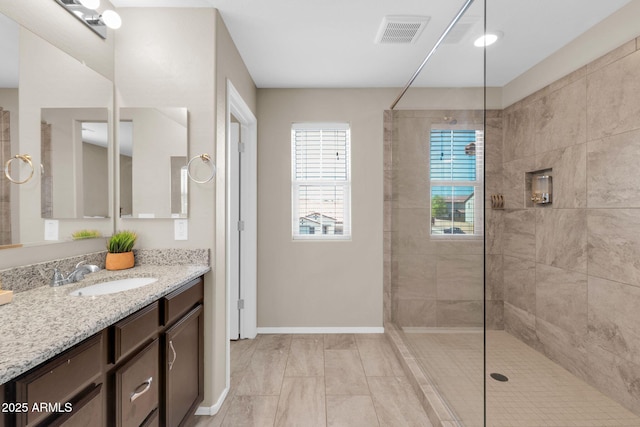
229 66
327 283
344 289
570 269
171 75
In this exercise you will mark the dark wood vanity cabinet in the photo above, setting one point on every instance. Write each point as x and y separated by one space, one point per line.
183 354
145 370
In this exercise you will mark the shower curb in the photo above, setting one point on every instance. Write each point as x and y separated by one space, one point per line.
436 408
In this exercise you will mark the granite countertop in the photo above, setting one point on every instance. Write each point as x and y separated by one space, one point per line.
45 321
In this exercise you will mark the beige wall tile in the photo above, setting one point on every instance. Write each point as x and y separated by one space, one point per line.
569 175
614 244
521 324
520 283
416 277
560 118
519 233
494 273
520 131
513 182
561 298
614 317
563 347
614 106
612 56
615 376
415 312
459 277
561 238
456 314
612 171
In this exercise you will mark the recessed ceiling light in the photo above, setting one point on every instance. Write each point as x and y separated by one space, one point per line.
487 39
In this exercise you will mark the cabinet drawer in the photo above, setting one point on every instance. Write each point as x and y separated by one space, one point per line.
182 300
133 331
61 378
137 387
87 411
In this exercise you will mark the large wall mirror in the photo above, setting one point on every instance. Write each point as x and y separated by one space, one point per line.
50 87
153 146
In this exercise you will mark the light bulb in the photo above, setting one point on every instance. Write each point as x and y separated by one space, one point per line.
111 19
487 39
90 4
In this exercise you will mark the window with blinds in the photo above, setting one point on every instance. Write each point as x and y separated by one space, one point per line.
321 181
456 181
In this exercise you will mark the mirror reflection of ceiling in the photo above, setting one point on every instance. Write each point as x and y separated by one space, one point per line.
344 31
9 33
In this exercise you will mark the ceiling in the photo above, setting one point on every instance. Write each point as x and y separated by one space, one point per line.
330 43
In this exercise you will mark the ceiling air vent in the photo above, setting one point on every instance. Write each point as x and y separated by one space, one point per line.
401 29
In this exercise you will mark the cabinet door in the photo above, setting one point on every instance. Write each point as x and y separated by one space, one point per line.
184 365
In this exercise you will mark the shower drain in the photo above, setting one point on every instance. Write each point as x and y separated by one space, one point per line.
499 377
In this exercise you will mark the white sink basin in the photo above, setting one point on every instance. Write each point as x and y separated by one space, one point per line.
113 286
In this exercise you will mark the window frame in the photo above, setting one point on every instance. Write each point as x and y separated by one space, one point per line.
296 184
478 184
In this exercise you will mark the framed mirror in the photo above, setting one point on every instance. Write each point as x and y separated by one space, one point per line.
153 147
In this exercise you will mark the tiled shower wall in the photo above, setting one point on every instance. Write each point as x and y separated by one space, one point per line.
571 270
5 185
435 282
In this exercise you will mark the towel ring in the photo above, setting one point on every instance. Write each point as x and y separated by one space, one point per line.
205 159
7 167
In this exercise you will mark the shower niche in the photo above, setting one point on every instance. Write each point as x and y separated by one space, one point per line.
539 188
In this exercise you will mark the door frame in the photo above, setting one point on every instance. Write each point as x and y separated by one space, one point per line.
237 108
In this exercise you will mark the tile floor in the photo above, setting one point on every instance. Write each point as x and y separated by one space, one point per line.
539 392
317 380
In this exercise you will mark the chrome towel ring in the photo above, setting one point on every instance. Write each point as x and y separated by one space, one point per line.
207 160
7 167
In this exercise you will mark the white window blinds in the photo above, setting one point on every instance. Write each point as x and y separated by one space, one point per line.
321 181
456 176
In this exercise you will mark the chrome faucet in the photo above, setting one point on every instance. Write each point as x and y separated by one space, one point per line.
76 275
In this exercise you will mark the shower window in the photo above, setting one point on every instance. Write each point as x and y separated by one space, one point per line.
455 161
320 181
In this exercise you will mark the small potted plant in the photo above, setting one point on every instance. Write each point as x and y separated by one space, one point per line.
120 250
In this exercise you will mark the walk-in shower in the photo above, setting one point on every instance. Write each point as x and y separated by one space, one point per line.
504 310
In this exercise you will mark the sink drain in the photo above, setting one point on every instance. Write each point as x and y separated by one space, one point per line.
499 377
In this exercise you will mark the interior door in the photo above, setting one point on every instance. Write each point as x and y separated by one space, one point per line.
235 231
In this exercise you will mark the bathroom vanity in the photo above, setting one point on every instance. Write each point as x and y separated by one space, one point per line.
127 359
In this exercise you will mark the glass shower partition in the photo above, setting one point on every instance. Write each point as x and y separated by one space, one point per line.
442 150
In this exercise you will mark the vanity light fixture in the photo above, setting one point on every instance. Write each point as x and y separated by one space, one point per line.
85 11
488 39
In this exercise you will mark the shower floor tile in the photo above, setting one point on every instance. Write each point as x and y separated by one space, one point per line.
538 393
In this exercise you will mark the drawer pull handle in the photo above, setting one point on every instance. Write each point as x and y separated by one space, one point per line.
141 389
175 355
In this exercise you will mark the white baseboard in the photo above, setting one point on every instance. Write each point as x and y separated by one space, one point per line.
322 330
212 410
